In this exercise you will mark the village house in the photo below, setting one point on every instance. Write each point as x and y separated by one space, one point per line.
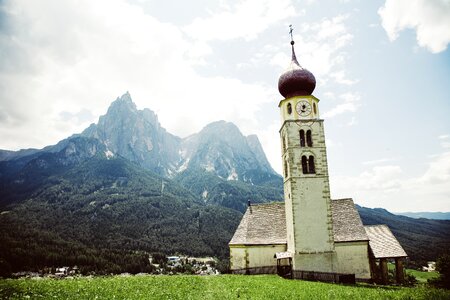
310 236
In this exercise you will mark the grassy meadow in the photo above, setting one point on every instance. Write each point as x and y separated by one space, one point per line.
422 277
203 287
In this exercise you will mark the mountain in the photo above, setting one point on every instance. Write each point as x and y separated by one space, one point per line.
125 187
225 168
426 215
137 136
219 148
422 239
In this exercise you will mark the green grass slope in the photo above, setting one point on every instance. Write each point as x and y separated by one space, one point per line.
204 287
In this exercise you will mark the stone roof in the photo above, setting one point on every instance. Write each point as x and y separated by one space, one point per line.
264 224
347 224
383 243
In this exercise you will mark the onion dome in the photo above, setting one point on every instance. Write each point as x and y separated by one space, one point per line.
296 80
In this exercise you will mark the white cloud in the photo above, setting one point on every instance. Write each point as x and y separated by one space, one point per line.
389 187
350 103
322 45
377 161
438 171
445 141
353 121
339 77
430 19
72 55
246 20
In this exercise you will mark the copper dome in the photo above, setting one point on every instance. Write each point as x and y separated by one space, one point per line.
296 80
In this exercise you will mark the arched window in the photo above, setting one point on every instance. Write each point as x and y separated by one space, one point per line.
302 138
314 108
309 138
304 165
285 169
289 108
312 167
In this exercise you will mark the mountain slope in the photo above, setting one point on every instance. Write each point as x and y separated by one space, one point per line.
227 193
422 239
19 178
109 207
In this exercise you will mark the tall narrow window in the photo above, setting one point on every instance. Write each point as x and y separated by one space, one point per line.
302 138
304 165
289 108
312 167
284 144
314 108
309 138
285 169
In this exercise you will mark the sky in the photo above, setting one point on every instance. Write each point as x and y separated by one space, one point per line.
382 70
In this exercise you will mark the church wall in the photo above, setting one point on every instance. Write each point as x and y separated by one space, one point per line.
238 257
243 257
353 257
316 262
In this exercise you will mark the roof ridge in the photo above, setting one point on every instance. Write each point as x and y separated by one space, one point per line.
267 203
340 199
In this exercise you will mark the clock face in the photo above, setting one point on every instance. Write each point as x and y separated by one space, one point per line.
303 108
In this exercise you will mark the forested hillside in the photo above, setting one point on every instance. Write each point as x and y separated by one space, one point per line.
422 239
101 213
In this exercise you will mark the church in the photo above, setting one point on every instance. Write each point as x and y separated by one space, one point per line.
309 235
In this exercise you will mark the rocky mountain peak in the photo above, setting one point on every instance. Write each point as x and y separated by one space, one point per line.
122 104
220 148
125 131
222 132
136 135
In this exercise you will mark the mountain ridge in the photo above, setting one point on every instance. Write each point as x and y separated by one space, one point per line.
426 215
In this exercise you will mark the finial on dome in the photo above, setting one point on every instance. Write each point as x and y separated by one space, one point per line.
290 32
294 58
296 80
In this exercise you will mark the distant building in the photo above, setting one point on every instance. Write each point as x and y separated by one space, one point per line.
431 267
63 271
309 235
173 258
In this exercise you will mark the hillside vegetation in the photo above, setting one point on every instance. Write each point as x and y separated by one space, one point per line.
102 214
204 287
422 239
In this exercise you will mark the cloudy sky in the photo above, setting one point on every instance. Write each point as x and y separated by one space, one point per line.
383 72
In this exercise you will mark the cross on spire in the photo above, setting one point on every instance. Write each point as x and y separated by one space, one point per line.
290 32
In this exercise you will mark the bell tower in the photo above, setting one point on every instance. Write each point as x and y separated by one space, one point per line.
305 171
